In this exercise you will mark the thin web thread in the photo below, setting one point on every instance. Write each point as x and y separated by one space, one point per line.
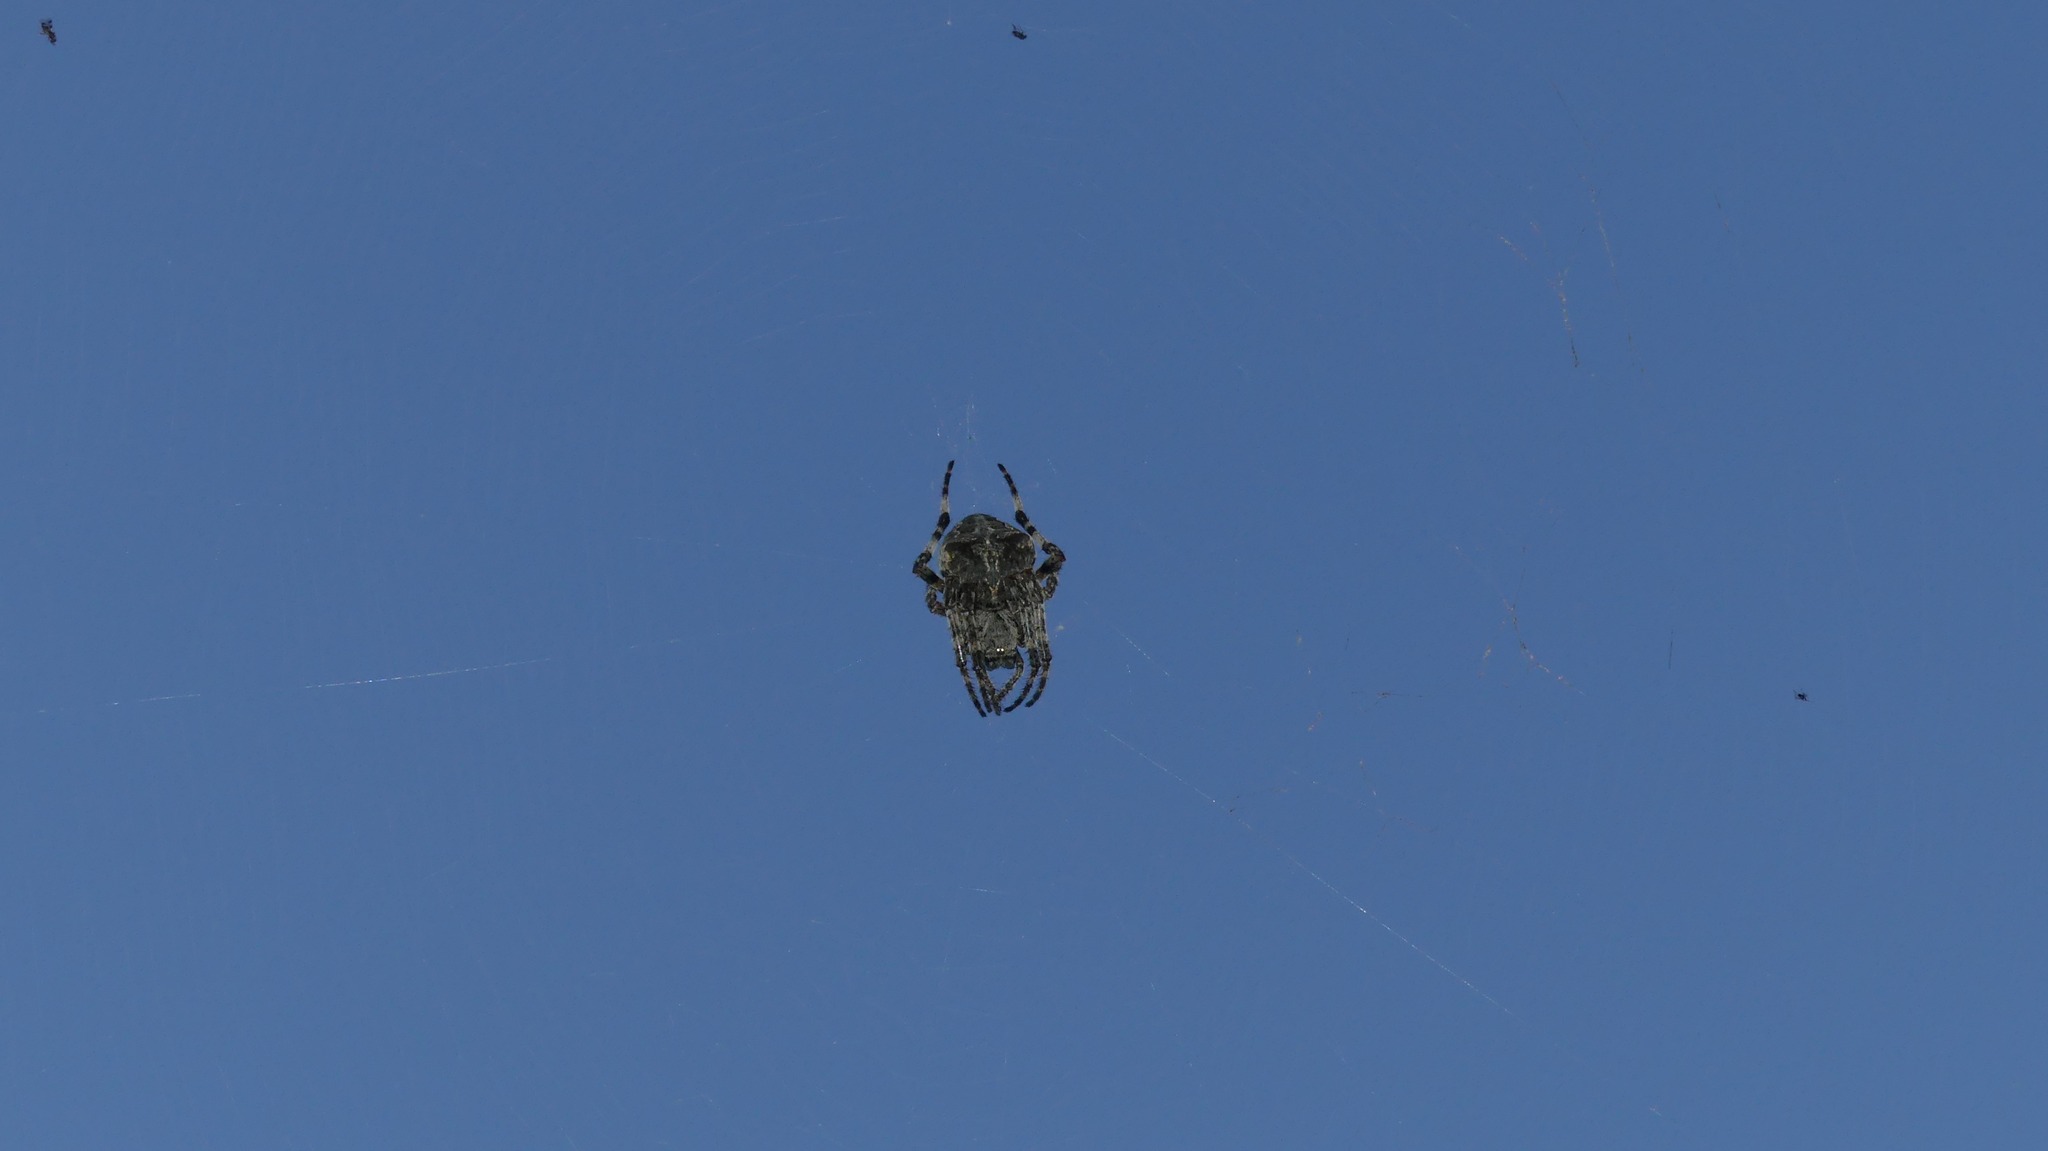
1311 872
251 693
420 675
232 694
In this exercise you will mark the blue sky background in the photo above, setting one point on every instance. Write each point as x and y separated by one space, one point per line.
461 682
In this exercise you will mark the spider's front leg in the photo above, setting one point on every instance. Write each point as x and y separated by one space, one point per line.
933 583
1049 571
1055 559
922 566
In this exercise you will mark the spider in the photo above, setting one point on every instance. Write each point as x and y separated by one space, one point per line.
1018 32
50 30
993 599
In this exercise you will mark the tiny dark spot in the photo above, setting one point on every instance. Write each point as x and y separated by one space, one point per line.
1799 695
50 31
1014 31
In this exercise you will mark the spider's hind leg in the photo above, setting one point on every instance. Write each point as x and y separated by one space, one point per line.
1038 646
1032 677
1041 666
992 696
961 660
968 683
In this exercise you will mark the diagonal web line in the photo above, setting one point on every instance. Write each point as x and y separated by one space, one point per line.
416 675
1311 872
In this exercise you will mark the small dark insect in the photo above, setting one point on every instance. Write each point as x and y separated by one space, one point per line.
49 31
1799 695
993 599
1014 31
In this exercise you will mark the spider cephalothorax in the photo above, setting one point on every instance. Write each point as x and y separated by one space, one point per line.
993 598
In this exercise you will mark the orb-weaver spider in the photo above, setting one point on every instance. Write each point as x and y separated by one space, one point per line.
993 598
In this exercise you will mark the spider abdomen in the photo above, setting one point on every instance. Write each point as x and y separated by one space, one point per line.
984 549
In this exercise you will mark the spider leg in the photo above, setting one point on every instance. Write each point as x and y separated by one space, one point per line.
1055 559
1033 673
989 694
1041 662
1021 676
921 567
960 661
1039 646
1049 571
969 685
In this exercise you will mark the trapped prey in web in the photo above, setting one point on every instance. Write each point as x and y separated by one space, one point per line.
993 598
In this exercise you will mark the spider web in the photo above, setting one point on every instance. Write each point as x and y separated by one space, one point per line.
469 536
